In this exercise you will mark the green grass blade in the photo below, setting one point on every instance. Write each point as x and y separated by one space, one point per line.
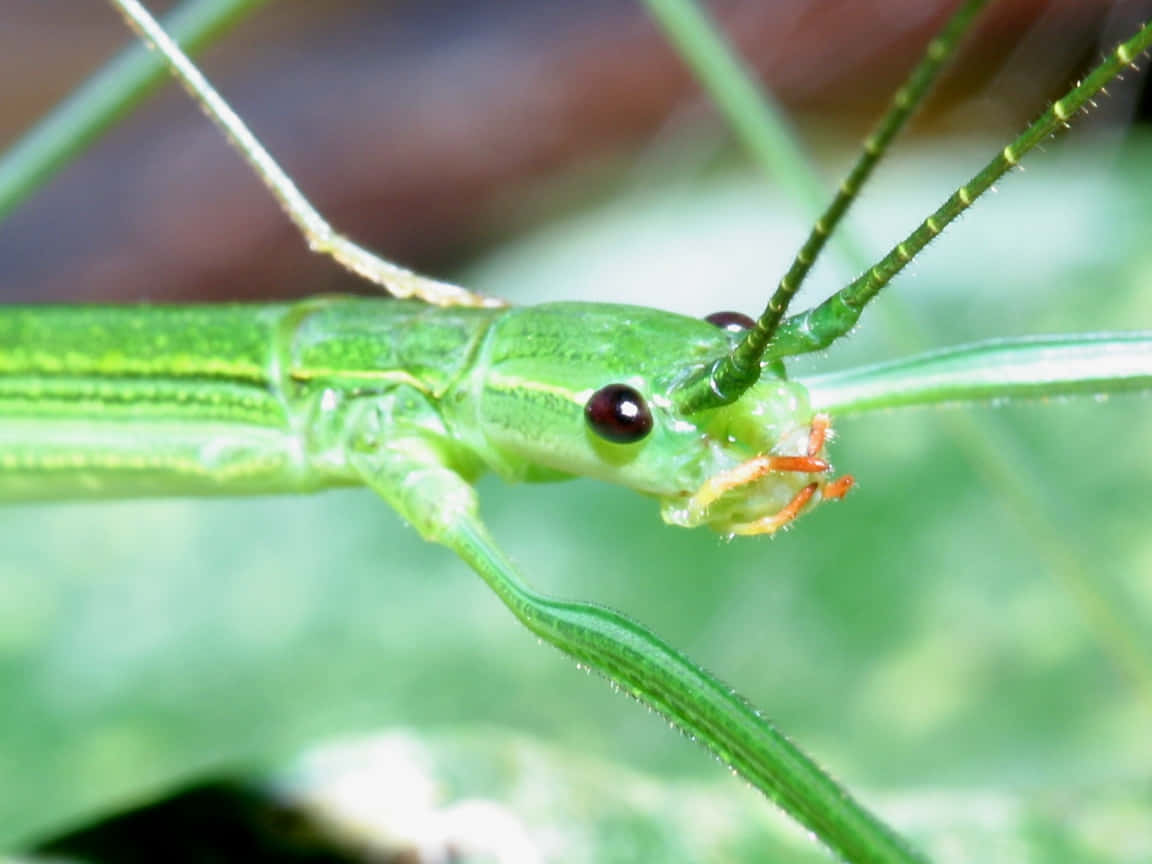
757 121
1037 367
105 98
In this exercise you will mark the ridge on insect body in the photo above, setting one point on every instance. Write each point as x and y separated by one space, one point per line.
600 406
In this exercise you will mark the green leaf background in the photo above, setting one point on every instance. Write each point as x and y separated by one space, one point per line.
968 649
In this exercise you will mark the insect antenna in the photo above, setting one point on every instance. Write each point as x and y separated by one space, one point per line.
734 373
820 326
320 235
740 369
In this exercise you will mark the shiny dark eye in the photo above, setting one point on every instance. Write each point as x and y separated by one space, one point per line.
619 414
733 322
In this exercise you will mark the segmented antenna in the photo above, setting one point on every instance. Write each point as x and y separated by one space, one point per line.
740 369
321 237
817 328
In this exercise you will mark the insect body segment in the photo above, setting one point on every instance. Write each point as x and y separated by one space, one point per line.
295 397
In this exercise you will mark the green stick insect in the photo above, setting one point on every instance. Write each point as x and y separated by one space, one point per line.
417 398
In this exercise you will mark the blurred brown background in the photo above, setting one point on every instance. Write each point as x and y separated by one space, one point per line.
430 129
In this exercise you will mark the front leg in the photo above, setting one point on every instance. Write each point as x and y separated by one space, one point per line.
403 458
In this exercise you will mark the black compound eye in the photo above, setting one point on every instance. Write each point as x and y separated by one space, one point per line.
733 322
618 413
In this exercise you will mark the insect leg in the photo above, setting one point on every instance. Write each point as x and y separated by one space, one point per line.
320 236
410 471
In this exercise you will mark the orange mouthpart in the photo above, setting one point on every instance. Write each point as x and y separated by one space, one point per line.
759 466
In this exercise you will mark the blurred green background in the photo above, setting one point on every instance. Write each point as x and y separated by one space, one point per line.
970 632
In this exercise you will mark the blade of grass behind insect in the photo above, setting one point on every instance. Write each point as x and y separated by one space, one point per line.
751 111
106 97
